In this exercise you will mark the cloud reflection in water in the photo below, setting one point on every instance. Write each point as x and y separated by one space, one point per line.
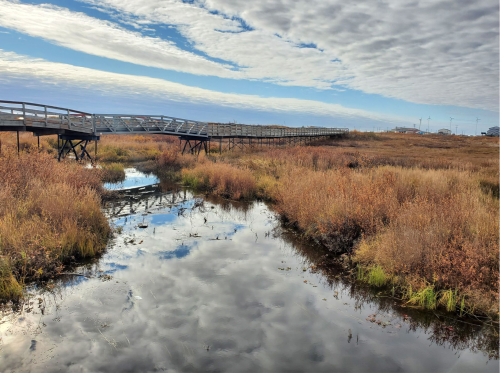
188 295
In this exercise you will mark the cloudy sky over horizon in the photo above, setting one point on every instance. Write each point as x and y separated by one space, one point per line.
364 64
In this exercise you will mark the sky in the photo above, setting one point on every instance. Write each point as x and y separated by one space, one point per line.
367 65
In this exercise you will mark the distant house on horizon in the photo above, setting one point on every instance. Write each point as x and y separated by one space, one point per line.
444 131
408 130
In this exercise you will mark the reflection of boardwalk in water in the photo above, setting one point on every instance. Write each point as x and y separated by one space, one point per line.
143 199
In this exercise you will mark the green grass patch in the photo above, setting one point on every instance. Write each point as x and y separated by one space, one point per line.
374 276
448 299
377 276
9 287
426 298
191 180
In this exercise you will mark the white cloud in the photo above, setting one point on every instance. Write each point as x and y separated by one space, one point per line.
101 38
429 52
259 54
36 71
276 60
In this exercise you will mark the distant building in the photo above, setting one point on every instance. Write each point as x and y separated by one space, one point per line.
444 131
406 130
493 131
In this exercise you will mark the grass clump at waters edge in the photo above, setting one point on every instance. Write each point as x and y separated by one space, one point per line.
113 172
221 179
9 287
425 298
377 276
50 213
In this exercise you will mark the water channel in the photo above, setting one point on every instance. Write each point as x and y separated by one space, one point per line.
209 285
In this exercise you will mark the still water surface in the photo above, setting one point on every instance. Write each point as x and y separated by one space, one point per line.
215 286
133 179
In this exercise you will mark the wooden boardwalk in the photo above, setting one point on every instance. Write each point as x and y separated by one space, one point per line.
73 125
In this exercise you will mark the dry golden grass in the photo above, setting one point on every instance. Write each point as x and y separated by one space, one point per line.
49 212
27 141
221 179
110 149
113 172
132 148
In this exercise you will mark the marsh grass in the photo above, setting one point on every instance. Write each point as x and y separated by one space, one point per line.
9 287
377 276
448 299
49 214
113 172
425 298
131 148
221 179
429 298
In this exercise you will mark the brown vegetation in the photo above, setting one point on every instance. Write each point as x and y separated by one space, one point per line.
49 214
221 179
113 172
132 148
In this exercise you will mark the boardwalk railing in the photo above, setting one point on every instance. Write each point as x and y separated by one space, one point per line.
20 114
245 130
123 124
43 118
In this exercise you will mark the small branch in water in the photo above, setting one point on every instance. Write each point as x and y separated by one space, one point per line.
74 274
107 340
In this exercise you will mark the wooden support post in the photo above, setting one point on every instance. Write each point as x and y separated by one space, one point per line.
185 144
95 152
73 149
38 138
220 144
17 142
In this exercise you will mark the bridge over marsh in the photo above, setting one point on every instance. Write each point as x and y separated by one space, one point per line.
77 128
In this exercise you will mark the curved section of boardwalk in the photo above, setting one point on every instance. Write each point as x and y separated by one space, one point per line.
48 120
